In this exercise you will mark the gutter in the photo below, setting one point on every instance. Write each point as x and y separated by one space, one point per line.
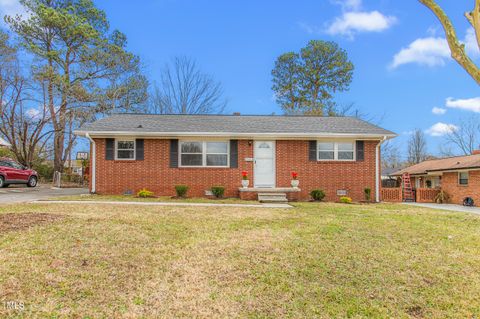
273 135
93 163
377 169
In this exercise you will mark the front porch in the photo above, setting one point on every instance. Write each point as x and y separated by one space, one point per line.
275 193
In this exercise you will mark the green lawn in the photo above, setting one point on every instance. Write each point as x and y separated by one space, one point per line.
315 260
131 198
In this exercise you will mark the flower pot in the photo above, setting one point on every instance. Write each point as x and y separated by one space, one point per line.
295 183
245 183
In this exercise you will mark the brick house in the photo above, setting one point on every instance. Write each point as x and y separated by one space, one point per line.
4 143
340 155
458 176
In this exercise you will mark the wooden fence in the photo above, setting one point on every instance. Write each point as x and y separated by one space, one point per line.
391 194
426 195
422 195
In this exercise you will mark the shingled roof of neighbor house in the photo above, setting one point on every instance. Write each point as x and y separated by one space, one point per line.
443 164
231 125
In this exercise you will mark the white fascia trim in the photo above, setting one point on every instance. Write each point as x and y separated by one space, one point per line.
233 135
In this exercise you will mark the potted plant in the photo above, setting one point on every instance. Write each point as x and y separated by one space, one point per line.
245 181
294 182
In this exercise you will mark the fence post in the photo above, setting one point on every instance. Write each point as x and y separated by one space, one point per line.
57 179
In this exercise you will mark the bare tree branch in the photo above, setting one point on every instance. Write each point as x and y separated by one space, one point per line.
185 89
458 49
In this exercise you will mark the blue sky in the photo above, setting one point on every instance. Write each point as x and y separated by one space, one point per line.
402 64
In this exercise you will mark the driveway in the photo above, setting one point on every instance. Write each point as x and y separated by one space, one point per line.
21 193
449 207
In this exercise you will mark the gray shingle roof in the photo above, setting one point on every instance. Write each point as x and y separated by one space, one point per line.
226 124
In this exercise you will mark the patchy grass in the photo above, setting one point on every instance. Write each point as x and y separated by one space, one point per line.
131 198
316 260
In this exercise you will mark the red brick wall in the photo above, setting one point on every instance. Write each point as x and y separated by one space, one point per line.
458 192
329 176
154 173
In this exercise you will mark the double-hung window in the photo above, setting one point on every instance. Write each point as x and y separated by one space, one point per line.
336 151
463 178
209 154
125 149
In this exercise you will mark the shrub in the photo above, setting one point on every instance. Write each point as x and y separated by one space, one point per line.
181 190
45 172
368 192
317 194
145 193
442 197
218 191
345 200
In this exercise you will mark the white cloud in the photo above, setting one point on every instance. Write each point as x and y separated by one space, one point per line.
10 7
424 51
349 4
439 111
471 44
440 129
351 23
433 51
33 113
472 104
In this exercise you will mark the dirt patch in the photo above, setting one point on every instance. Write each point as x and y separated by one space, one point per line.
12 222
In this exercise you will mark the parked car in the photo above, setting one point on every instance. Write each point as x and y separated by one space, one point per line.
14 173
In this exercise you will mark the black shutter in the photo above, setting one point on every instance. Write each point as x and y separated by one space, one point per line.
312 150
360 147
139 145
233 153
109 149
173 153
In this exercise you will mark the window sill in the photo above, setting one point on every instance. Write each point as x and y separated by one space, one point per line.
125 161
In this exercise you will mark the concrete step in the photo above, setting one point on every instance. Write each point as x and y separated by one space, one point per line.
272 198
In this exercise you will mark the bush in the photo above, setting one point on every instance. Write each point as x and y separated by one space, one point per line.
145 193
442 197
345 200
45 172
368 192
181 190
317 194
218 191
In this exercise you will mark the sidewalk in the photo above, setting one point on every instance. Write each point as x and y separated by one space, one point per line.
161 204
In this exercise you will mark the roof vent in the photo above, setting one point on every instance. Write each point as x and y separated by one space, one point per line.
476 152
236 113
140 126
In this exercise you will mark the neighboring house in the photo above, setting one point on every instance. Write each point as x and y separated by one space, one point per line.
340 155
4 143
458 176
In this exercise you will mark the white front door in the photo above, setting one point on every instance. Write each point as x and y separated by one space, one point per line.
264 171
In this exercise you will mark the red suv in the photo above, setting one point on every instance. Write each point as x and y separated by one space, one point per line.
14 173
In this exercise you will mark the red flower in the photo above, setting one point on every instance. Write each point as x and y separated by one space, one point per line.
245 175
294 175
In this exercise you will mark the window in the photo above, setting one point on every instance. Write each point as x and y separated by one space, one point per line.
463 178
336 151
213 154
125 150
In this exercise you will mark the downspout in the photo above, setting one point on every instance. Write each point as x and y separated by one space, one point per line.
92 160
377 169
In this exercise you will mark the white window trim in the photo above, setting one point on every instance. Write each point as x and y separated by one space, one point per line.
204 154
468 178
335 151
134 149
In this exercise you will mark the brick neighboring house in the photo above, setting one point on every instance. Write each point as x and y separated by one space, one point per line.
458 176
340 155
